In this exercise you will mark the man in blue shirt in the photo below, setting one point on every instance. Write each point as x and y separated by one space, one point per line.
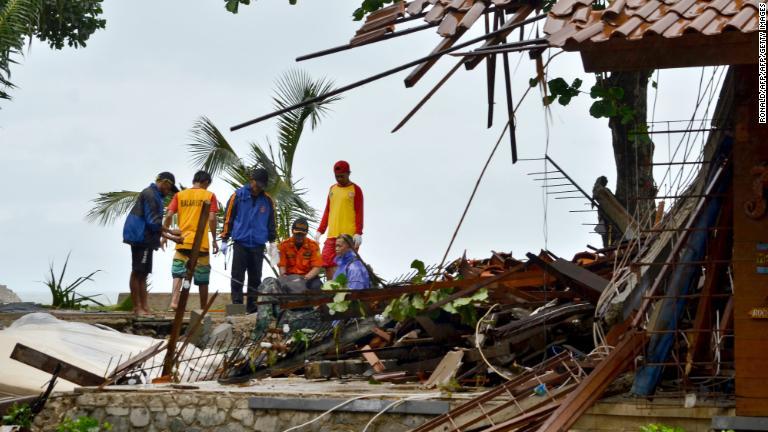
142 230
250 221
348 264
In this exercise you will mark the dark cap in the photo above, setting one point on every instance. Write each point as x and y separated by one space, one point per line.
166 176
261 177
341 167
300 225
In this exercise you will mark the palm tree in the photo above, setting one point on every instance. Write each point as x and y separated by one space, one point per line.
212 152
17 18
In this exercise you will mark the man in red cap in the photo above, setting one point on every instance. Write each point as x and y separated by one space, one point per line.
343 215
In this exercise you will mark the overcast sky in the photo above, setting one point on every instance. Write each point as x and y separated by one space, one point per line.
113 115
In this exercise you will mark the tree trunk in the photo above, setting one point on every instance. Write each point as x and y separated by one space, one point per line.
632 149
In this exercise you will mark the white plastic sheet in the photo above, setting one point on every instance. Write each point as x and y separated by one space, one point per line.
87 346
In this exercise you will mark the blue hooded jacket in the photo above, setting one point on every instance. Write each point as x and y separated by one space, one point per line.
250 220
354 270
145 221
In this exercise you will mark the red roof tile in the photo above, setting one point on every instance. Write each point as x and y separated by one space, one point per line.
451 16
574 21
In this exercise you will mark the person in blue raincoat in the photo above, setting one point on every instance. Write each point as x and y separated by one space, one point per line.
348 264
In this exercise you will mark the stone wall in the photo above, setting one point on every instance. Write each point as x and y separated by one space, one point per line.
203 411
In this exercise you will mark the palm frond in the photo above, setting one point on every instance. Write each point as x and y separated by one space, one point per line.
17 18
289 201
291 88
210 150
109 206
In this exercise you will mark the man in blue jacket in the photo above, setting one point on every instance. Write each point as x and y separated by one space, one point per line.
250 221
142 230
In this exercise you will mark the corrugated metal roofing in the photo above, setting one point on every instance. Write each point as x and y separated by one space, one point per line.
574 21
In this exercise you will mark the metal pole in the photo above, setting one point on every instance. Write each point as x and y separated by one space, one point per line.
589 197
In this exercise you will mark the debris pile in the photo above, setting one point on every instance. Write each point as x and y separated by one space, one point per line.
543 336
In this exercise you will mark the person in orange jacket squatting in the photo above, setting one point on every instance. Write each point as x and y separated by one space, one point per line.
343 215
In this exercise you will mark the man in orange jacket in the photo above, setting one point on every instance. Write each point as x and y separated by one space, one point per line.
343 215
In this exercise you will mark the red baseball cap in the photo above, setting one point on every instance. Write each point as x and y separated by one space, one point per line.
341 167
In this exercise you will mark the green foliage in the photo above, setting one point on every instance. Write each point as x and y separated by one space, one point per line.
19 415
451 386
421 271
111 205
233 5
560 90
368 6
83 424
609 102
658 427
17 20
340 303
125 306
64 295
211 151
53 21
409 305
69 21
640 133
291 88
302 336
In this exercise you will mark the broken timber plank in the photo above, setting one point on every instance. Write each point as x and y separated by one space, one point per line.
373 359
591 388
585 282
506 395
445 370
46 363
170 352
615 212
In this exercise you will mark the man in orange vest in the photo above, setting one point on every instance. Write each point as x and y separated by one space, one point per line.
343 215
188 204
300 260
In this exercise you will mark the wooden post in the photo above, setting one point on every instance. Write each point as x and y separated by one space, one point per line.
750 149
180 309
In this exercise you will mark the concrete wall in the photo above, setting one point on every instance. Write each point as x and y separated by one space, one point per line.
161 301
630 415
202 411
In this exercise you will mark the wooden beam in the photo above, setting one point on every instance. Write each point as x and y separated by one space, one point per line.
46 363
592 387
751 335
170 352
690 50
585 282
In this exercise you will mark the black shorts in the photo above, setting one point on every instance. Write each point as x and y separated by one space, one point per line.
141 259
